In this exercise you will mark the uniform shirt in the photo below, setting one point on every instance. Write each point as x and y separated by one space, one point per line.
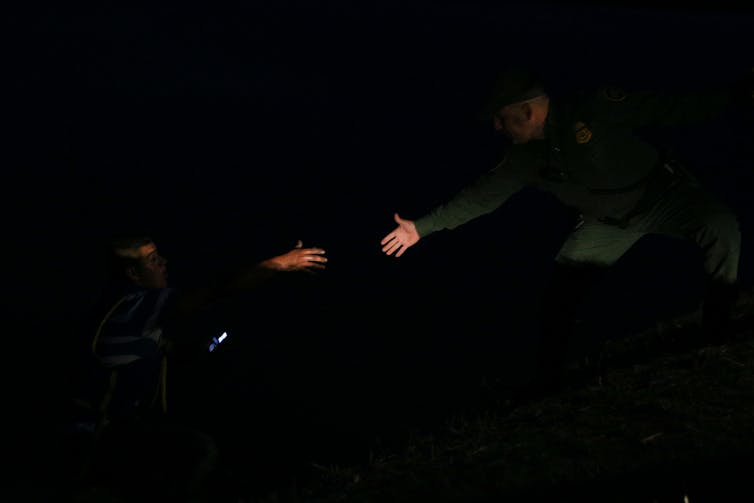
591 157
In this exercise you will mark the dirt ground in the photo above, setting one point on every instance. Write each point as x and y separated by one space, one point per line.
665 420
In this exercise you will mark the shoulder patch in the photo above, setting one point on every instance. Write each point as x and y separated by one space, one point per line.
614 94
583 134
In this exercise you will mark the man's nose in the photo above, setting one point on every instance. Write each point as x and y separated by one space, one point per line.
498 123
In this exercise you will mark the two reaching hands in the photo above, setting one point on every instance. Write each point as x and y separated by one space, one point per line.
298 259
401 238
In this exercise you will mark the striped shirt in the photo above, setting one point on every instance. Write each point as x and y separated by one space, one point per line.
129 342
133 331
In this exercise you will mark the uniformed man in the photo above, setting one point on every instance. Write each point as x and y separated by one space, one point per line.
584 150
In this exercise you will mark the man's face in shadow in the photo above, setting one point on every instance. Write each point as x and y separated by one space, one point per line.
151 270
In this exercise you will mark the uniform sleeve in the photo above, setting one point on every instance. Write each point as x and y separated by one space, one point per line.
637 109
484 195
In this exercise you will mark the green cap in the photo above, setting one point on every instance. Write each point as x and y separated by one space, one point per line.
511 86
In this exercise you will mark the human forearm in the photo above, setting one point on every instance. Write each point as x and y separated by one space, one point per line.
483 196
223 285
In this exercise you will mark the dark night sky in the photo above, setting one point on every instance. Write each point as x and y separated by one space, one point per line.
230 132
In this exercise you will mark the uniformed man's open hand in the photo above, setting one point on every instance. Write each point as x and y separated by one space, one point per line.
401 238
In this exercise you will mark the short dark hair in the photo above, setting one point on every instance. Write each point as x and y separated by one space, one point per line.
118 260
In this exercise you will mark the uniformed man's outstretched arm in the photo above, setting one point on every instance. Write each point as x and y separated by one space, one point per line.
401 238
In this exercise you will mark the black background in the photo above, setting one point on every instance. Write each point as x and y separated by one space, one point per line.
237 130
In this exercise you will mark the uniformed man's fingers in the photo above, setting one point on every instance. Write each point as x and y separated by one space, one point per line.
387 238
392 247
388 248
